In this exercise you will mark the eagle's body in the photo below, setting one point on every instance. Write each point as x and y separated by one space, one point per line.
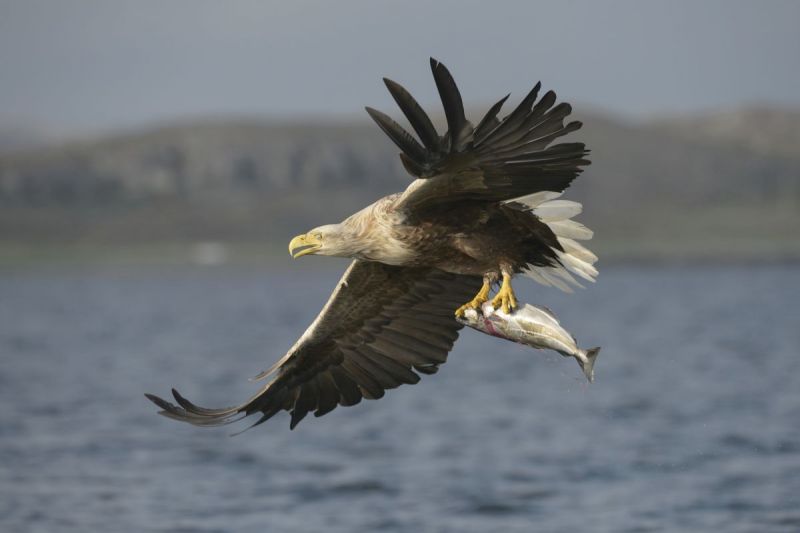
474 240
482 208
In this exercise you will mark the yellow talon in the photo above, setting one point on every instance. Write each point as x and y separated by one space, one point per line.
505 298
478 301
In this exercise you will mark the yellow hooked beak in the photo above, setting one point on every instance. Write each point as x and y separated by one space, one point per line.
304 244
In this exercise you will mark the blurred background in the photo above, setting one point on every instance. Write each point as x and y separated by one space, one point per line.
156 158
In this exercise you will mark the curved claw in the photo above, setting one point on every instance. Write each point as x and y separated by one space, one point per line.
476 303
505 298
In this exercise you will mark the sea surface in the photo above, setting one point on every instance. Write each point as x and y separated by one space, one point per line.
692 424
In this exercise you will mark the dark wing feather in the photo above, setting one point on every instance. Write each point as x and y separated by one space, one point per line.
396 133
489 120
416 116
497 161
513 121
381 324
458 129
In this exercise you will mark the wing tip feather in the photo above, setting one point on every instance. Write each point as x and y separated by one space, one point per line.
160 402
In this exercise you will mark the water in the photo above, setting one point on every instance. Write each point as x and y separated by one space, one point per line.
692 423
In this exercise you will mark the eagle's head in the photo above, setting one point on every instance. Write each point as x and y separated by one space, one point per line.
331 239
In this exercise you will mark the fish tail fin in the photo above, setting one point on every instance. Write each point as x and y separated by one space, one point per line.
587 362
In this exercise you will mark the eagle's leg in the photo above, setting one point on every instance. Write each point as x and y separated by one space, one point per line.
505 297
480 298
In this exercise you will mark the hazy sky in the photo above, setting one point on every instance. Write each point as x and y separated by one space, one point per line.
101 64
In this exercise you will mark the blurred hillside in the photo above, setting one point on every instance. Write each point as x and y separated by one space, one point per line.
772 132
15 137
726 185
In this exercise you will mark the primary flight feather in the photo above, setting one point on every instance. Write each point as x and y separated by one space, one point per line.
482 209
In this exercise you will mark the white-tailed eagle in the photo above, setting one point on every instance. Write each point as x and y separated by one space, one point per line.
482 208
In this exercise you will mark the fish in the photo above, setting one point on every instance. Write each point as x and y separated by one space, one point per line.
533 326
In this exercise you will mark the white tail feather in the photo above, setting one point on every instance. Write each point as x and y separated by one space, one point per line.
554 281
557 277
536 199
581 268
561 272
577 250
571 230
557 210
535 276
575 257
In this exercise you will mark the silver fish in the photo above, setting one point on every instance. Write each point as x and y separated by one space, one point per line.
534 326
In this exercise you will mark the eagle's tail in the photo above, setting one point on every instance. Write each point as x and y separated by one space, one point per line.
575 258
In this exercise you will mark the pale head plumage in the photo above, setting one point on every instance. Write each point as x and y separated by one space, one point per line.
331 239
367 234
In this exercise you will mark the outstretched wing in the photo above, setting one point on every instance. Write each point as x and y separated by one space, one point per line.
380 324
494 161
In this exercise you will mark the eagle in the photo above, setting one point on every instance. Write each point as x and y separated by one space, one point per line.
482 208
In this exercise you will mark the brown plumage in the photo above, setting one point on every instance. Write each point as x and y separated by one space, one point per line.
482 209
